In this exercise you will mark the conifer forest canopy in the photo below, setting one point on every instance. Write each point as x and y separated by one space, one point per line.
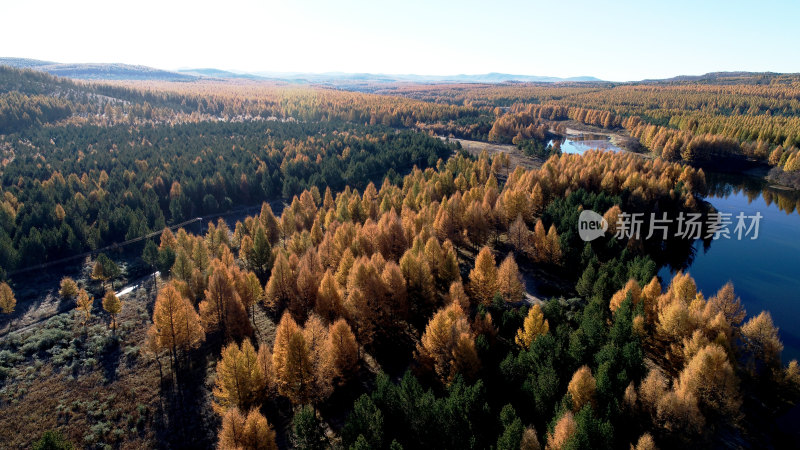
242 263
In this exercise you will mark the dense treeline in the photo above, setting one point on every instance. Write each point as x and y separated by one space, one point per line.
759 114
692 120
173 102
74 188
80 101
18 111
490 95
385 275
31 82
244 100
536 121
730 116
524 125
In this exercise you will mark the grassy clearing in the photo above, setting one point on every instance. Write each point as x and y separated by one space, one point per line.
93 386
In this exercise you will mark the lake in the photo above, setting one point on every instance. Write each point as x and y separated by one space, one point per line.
579 142
764 271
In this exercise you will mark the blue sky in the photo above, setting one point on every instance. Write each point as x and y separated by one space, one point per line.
612 40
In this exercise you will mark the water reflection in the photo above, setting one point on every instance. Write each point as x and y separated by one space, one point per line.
581 142
723 185
764 271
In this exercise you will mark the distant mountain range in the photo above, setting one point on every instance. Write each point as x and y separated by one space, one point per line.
357 81
493 77
91 71
218 73
724 78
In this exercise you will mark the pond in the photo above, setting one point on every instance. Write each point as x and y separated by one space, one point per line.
579 142
764 271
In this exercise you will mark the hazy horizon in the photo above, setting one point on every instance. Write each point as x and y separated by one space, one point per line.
266 73
625 41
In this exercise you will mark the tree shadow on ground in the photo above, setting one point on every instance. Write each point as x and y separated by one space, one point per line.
187 421
109 361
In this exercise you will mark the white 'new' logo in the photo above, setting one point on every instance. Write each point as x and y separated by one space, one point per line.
591 225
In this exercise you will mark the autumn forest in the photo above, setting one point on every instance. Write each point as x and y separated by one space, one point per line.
252 264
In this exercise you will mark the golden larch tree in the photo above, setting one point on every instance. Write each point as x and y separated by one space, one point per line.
281 287
726 302
611 217
519 235
341 352
7 299
483 279
447 224
391 239
539 247
683 288
674 321
791 374
256 253
168 240
565 429
420 284
112 305
537 199
476 223
457 294
509 281
68 288
582 388
269 222
307 288
84 304
176 325
239 381
763 346
433 254
315 334
645 442
533 326
553 246
448 268
365 293
650 295
222 308
631 288
329 300
710 377
394 307
291 362
530 441
200 258
344 265
98 272
249 289
448 345
316 233
251 432
59 213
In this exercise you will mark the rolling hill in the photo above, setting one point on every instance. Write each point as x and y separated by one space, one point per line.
100 71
